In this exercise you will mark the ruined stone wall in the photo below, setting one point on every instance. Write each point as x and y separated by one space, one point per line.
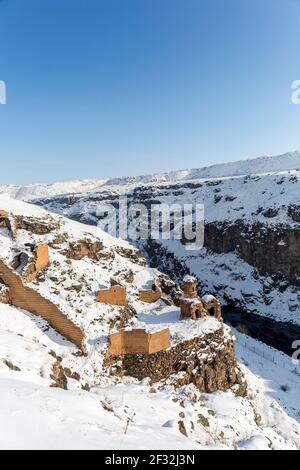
138 342
84 248
28 299
40 262
150 296
115 295
5 222
42 257
190 289
207 362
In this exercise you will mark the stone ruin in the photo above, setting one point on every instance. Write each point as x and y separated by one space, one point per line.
151 295
28 299
25 268
138 341
191 306
114 295
6 222
29 266
207 361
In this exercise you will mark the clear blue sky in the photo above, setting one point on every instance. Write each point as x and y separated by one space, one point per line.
101 88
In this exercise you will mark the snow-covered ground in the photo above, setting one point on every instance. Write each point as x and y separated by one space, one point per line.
136 415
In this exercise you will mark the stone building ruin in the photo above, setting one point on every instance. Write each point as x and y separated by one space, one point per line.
191 306
151 295
138 341
211 303
113 295
29 265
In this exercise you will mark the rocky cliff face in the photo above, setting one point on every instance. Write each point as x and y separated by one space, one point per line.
273 250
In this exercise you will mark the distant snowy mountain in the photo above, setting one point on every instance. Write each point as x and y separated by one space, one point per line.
261 165
32 191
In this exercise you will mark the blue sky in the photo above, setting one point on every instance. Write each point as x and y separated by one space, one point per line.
99 88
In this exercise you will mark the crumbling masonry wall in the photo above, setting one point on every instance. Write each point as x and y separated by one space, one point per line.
39 263
115 295
5 222
208 362
152 295
28 299
42 257
138 342
192 309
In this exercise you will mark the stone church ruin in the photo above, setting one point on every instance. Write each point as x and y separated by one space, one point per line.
191 306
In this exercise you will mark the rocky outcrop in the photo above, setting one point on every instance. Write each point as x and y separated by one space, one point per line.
84 248
6 222
136 256
294 212
208 362
271 250
36 226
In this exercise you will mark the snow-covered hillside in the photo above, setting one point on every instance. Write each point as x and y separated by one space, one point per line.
261 165
31 191
53 396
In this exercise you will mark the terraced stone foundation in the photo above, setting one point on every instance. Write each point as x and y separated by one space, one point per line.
207 361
